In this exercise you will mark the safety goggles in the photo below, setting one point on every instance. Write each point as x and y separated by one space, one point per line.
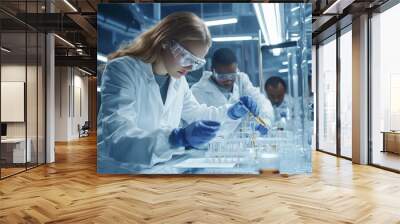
226 76
184 57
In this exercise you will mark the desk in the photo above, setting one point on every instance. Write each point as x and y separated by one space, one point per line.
13 150
391 141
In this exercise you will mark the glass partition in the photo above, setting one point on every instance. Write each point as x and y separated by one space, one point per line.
14 151
22 91
327 96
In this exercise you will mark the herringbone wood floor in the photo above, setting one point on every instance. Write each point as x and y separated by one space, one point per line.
70 191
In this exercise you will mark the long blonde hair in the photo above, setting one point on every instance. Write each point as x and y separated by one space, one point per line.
179 26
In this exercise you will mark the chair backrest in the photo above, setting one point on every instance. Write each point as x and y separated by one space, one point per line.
86 125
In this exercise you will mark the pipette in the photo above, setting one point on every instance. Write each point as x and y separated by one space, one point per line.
257 118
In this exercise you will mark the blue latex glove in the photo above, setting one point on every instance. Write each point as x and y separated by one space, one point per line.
261 129
240 109
195 134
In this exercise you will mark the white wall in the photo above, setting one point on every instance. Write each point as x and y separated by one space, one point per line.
33 126
12 73
69 82
79 117
61 103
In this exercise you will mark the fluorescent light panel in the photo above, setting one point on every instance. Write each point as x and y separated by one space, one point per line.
86 72
276 51
65 41
221 22
331 7
102 58
295 38
268 17
295 8
338 6
272 16
232 38
70 5
283 70
261 21
5 50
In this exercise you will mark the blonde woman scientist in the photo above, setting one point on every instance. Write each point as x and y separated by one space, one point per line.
144 95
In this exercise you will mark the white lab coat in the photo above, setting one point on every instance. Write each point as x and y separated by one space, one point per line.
134 124
287 106
207 92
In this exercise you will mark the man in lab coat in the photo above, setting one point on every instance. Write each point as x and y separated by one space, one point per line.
226 84
276 90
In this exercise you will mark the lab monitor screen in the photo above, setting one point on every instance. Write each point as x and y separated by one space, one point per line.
180 89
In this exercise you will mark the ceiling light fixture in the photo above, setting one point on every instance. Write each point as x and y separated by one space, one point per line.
232 38
84 71
64 40
70 5
283 70
218 22
102 58
5 50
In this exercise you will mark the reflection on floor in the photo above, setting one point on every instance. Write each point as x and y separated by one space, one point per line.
10 169
387 159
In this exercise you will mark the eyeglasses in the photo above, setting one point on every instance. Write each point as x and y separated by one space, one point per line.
226 76
184 57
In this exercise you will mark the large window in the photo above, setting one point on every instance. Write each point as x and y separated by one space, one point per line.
346 93
385 88
327 96
334 106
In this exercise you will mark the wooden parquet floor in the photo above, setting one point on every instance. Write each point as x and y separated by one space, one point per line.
70 191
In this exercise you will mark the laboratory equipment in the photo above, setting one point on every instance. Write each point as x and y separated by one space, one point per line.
241 108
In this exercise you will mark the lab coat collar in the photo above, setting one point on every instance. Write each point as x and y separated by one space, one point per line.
172 91
287 100
150 76
149 72
172 86
210 87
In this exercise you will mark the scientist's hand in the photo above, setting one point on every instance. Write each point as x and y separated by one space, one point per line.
245 104
261 129
195 134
